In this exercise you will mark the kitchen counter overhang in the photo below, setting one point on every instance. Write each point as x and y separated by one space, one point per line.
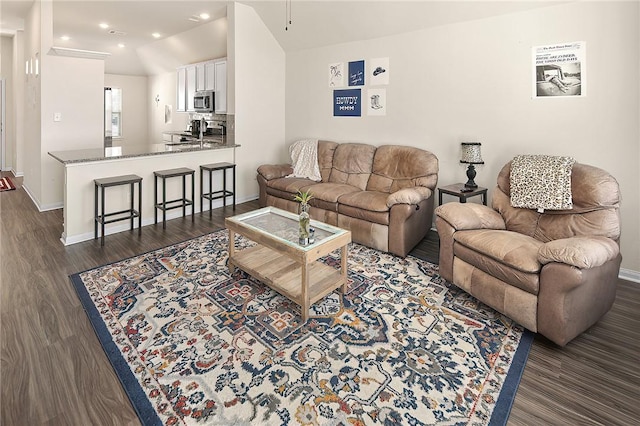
133 151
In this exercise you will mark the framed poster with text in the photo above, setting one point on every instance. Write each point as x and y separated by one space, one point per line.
347 103
560 70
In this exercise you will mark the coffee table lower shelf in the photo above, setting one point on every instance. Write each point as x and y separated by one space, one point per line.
284 274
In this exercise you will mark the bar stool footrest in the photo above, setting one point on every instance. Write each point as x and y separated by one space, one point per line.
215 195
130 215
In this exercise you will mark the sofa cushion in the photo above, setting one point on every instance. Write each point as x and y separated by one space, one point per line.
325 195
326 150
352 163
366 205
287 187
396 167
508 256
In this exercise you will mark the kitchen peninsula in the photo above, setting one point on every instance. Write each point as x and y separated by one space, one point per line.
81 167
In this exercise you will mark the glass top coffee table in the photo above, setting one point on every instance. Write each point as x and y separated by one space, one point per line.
281 263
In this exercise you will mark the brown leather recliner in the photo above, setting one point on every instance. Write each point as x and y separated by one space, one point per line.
554 272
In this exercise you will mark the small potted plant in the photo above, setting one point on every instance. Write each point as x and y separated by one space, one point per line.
303 222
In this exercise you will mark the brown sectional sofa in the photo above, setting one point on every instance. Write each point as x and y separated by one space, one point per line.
384 194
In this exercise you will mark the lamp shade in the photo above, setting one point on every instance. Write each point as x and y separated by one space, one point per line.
471 153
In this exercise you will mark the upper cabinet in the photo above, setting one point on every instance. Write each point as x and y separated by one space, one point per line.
221 86
182 89
200 77
208 75
209 71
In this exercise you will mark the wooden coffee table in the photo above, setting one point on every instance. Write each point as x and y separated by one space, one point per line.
281 263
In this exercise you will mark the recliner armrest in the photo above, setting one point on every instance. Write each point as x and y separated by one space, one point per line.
275 171
412 195
581 252
463 216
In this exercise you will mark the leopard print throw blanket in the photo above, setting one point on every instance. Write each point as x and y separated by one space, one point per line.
541 182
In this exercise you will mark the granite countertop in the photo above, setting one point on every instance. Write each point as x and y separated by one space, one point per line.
141 150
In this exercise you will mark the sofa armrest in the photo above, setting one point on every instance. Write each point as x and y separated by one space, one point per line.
413 195
470 216
274 171
581 252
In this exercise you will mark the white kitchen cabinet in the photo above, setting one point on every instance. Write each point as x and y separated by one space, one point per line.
221 87
181 89
186 87
201 77
210 75
191 86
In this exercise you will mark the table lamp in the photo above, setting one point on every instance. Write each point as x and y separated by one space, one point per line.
471 155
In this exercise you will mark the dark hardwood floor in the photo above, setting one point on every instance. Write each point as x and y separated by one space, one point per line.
54 372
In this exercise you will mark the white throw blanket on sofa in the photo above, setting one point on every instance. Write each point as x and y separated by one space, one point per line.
304 158
541 182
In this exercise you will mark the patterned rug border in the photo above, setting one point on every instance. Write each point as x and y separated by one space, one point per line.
147 414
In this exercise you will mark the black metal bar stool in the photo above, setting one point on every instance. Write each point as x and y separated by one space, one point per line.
215 195
103 218
178 202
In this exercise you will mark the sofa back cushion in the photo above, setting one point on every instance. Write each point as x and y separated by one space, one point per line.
396 167
596 201
352 163
326 151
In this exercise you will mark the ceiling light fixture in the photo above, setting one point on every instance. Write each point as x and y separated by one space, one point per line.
104 26
156 35
204 16
120 45
65 38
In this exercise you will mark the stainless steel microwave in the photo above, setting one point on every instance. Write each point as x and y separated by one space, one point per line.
204 101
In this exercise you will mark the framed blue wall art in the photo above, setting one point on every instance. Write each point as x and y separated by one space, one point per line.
356 73
347 103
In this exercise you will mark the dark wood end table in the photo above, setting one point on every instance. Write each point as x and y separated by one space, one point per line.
456 191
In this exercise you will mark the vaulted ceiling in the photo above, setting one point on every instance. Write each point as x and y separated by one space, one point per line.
314 23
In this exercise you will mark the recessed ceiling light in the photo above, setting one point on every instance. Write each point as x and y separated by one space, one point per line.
121 45
156 35
65 38
104 25
204 16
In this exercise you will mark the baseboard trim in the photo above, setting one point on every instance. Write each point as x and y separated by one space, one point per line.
125 226
629 275
41 208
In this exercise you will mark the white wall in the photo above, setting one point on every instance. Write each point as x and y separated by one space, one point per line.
72 87
6 73
472 82
257 75
18 104
163 85
135 106
31 146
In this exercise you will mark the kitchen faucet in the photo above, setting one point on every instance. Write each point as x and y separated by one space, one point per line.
202 124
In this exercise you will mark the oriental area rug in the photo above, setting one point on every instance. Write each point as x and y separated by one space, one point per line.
194 344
